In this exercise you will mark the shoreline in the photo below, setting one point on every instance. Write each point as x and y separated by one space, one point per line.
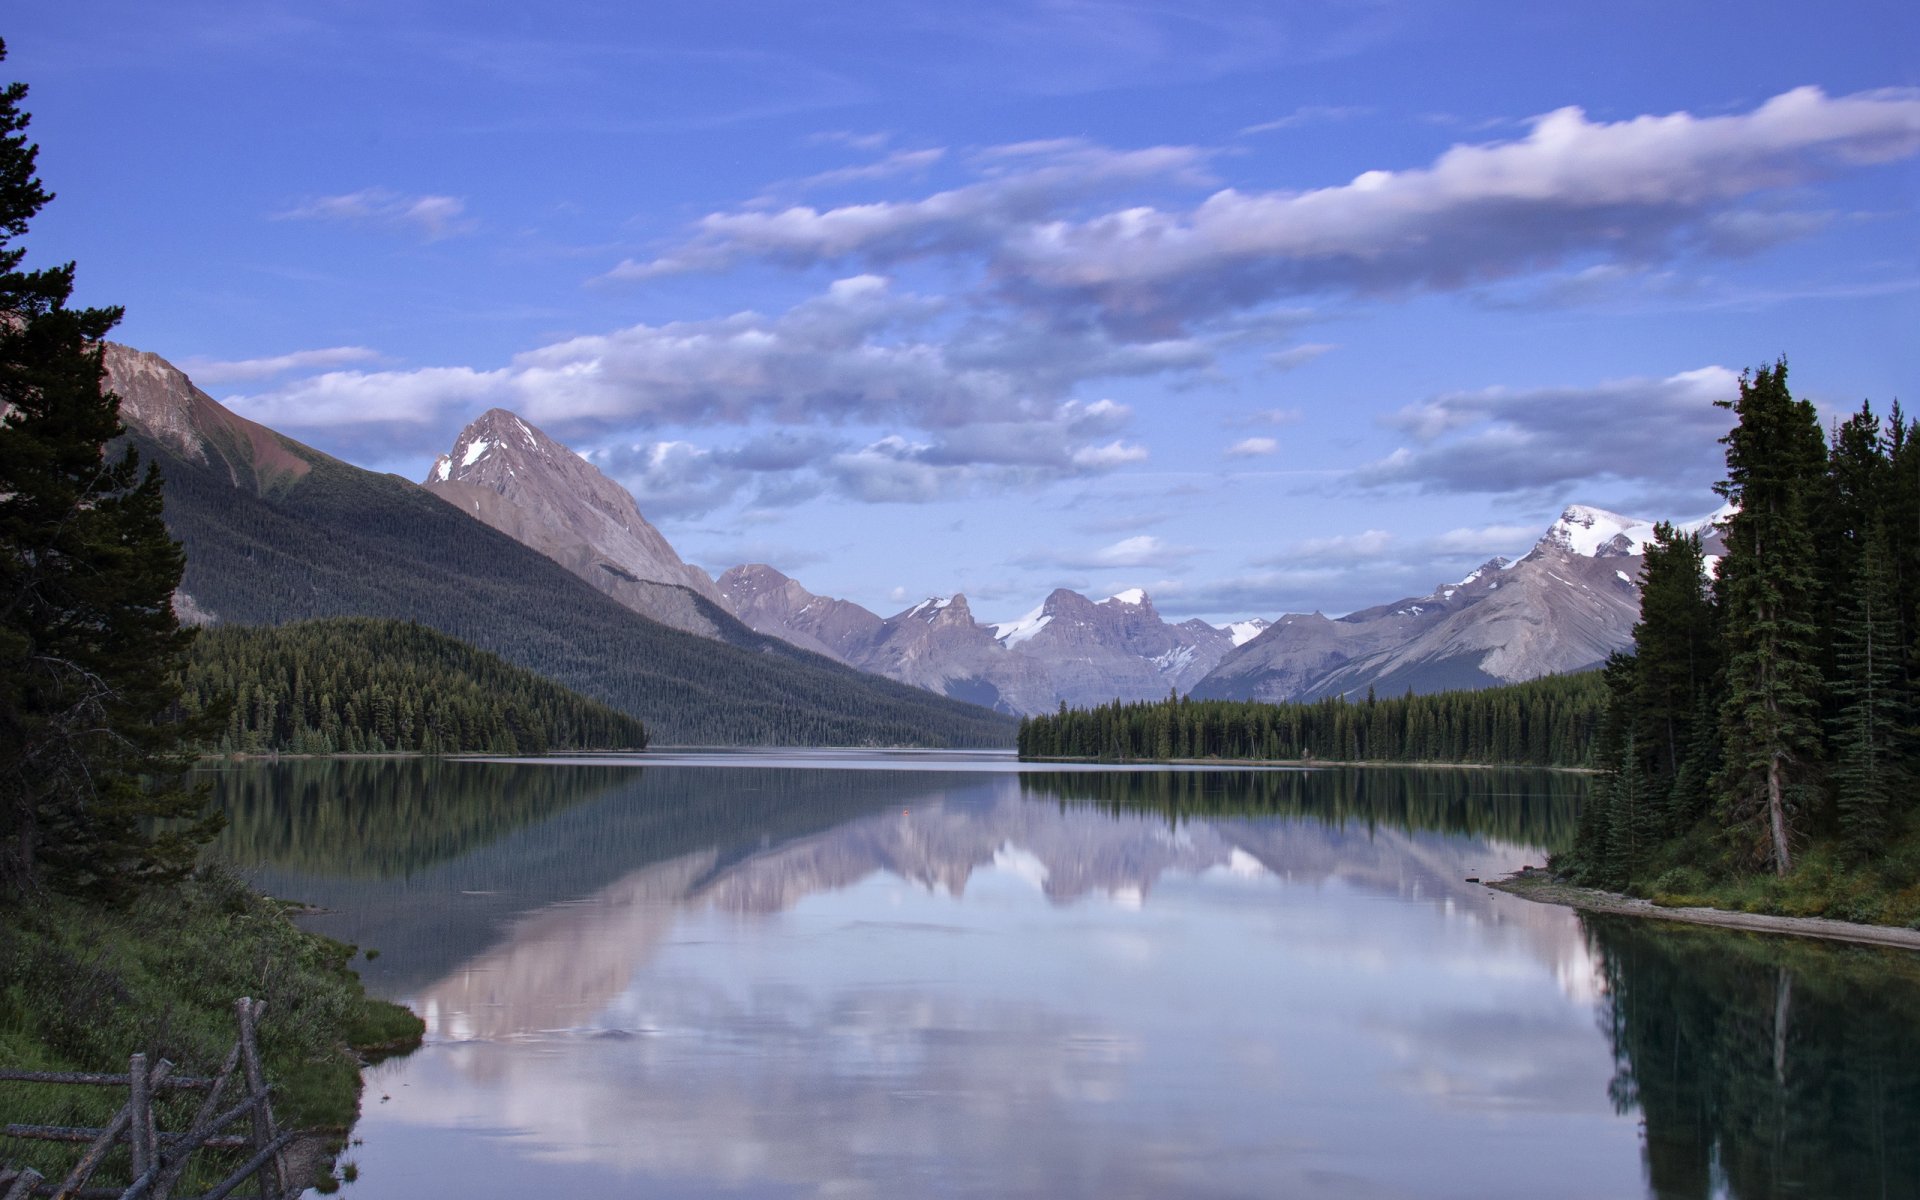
1374 763
1540 888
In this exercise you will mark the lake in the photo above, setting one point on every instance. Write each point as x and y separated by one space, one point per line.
814 974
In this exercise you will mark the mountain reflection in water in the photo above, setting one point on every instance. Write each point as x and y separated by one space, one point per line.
746 979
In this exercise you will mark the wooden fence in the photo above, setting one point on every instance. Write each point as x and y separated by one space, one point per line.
159 1159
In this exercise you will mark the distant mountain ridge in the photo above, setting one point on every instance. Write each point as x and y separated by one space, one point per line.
277 531
1069 649
1565 606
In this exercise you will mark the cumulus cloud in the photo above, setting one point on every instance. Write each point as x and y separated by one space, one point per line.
1253 447
207 372
942 415
1571 189
1661 433
429 216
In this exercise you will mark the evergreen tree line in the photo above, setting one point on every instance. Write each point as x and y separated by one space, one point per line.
363 685
1766 706
1522 807
1543 722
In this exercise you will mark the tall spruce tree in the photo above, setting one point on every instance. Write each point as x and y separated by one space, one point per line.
1776 462
1677 660
88 640
1869 687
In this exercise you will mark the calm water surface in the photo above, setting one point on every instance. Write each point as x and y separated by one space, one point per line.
898 975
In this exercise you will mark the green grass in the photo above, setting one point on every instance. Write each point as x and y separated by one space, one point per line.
82 988
1825 882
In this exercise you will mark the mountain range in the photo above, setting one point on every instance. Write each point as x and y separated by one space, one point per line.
276 530
1563 606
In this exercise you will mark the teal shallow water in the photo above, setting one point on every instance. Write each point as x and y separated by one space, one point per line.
821 975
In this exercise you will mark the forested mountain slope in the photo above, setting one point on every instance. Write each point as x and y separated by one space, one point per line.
374 685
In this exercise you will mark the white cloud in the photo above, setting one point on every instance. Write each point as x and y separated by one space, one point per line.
1570 189
1253 447
1310 114
1043 177
1660 433
1141 550
1298 356
430 216
207 372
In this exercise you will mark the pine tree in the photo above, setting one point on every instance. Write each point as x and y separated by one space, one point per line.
88 639
1776 459
1673 643
1867 683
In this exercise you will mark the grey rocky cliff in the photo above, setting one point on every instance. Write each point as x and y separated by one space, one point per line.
507 473
774 604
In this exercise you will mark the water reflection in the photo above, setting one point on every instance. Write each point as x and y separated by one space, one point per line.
1765 1067
743 979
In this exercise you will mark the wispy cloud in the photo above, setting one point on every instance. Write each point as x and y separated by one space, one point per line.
206 371
1310 114
1572 188
431 217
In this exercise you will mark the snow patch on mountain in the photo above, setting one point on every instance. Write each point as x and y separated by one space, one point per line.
1012 633
1243 632
1130 596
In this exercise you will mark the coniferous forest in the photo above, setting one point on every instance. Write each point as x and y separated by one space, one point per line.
362 685
1550 722
1762 726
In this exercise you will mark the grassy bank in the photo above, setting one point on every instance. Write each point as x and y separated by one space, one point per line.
1826 881
81 988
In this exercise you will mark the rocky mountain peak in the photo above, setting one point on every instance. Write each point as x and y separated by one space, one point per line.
158 401
509 473
940 611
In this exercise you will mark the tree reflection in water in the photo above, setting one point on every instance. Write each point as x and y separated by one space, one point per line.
1764 1066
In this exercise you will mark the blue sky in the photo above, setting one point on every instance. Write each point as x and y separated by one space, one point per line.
1262 307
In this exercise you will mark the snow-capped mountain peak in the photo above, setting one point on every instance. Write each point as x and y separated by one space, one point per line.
1133 596
1596 533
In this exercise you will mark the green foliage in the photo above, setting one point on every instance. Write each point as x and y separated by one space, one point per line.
1544 722
361 685
82 987
88 639
1789 686
1769 602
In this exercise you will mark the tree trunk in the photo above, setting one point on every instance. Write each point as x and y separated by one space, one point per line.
1777 817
